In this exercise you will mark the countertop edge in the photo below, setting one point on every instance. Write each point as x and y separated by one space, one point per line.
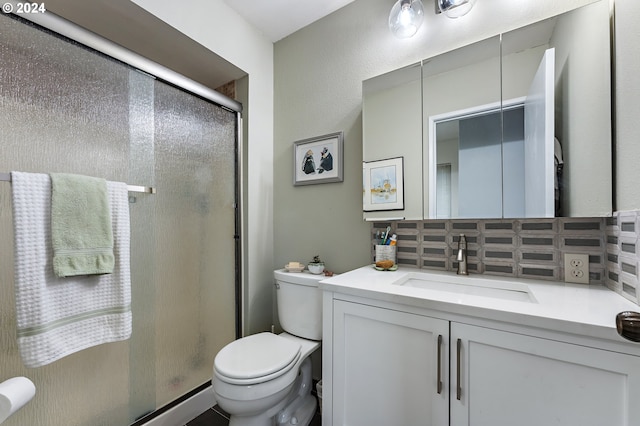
570 317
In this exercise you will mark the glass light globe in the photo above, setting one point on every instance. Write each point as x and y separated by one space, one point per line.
455 8
406 17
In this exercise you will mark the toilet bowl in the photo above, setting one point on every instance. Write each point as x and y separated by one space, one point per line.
265 379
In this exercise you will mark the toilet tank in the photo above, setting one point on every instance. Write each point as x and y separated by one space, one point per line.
299 303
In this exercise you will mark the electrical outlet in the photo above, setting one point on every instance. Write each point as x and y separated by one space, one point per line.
576 268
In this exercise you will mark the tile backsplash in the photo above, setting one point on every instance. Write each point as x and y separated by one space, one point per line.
525 248
622 254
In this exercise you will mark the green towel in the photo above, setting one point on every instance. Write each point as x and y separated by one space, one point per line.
81 232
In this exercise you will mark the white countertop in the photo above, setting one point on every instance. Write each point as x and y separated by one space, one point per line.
584 310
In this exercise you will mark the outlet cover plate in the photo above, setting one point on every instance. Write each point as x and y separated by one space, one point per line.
576 268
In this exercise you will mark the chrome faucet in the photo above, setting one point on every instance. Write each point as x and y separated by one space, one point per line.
461 257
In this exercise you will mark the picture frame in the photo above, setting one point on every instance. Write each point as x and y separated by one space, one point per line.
383 185
318 159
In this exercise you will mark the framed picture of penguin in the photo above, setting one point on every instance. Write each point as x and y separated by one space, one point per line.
318 159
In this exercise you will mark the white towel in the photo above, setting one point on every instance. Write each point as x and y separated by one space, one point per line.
59 316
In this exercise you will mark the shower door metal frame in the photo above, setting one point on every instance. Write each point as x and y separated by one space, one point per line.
74 32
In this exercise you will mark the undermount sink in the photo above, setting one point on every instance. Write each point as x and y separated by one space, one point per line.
485 287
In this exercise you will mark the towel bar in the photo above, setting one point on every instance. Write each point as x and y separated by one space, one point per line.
6 177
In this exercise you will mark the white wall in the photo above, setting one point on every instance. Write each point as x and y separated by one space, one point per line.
318 89
627 106
220 29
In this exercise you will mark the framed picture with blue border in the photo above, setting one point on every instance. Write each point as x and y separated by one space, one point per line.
383 185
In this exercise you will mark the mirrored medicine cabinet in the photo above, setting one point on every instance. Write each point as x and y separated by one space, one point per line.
514 126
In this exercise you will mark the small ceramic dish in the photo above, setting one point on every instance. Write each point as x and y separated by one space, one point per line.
393 268
294 269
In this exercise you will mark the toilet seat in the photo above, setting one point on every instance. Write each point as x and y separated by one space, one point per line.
238 364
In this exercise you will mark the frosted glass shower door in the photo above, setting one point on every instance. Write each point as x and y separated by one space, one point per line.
58 116
65 108
195 225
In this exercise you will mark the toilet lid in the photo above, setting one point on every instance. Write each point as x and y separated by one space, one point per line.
256 358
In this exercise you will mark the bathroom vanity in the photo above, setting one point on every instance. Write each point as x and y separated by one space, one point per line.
432 348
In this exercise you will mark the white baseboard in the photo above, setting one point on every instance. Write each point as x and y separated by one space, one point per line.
186 411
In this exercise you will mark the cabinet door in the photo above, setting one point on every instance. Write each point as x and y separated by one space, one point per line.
511 379
389 367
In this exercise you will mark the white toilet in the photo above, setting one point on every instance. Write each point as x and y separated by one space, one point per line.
265 379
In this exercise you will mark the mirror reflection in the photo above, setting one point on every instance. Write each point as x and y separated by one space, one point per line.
462 117
392 127
497 160
513 126
546 151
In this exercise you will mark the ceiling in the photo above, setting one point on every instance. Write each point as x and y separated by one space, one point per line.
125 23
276 19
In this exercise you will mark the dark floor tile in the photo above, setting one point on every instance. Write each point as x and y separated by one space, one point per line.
219 410
209 418
316 420
216 416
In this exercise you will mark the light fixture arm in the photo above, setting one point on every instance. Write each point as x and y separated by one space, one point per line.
454 8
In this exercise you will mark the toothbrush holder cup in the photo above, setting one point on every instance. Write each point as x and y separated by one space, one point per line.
385 252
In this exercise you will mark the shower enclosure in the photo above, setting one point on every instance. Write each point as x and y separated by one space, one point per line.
67 108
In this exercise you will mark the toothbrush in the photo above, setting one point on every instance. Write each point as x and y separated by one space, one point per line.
386 235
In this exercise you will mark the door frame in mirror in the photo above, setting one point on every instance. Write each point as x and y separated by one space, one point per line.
434 120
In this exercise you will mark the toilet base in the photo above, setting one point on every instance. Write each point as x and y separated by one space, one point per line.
303 413
301 417
297 409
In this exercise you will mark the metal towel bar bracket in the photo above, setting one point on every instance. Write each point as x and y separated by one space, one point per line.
6 177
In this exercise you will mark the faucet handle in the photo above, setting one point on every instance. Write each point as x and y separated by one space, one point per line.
461 256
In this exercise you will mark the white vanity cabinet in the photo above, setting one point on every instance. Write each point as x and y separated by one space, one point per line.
501 378
389 367
389 364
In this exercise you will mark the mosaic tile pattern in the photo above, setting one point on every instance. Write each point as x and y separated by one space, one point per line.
622 254
524 248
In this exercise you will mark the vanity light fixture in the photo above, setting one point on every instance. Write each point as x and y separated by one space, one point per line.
406 17
455 8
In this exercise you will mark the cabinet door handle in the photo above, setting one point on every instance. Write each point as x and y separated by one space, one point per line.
458 386
439 363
